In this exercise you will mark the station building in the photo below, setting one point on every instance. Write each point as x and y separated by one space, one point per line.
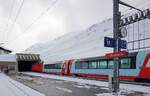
18 62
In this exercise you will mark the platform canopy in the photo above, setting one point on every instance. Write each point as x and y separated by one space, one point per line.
28 57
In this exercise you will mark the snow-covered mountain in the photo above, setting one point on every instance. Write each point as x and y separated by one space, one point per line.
89 42
86 43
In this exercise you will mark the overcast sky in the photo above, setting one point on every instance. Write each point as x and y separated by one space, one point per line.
55 18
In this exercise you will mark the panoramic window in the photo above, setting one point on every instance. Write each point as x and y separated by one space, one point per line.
102 64
92 64
78 65
111 64
125 63
85 65
46 66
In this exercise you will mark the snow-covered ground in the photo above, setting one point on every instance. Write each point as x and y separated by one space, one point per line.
123 87
10 87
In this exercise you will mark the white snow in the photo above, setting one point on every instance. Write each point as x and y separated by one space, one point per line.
10 87
122 92
64 89
89 42
127 87
8 58
81 85
108 94
74 45
24 77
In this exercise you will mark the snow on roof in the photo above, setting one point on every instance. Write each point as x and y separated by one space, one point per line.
8 58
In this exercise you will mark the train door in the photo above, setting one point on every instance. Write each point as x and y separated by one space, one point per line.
66 67
145 71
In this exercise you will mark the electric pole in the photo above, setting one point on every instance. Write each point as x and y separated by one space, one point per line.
117 38
116 23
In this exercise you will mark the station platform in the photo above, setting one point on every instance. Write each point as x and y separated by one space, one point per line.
10 87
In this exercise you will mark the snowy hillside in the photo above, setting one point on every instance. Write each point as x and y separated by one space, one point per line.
87 43
90 42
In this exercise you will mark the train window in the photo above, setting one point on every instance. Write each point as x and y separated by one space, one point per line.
92 64
125 63
102 64
111 64
78 65
85 65
46 67
53 66
133 62
57 66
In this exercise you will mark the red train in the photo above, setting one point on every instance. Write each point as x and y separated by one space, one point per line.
37 67
136 66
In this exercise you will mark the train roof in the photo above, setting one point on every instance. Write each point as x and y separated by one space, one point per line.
53 62
103 57
93 58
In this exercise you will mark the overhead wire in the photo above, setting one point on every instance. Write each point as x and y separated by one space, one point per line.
42 14
16 17
5 24
138 5
39 17
8 21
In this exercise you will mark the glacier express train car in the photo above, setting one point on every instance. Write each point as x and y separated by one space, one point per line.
133 67
53 68
37 67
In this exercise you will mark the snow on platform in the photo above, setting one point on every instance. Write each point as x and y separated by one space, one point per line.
10 87
124 87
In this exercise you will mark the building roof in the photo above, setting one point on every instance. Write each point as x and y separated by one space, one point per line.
5 49
8 58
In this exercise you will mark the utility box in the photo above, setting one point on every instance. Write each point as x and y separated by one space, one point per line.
110 83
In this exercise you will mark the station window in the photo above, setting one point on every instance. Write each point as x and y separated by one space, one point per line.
125 63
92 64
110 64
102 64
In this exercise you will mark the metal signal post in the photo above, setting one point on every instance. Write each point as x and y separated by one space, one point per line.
117 38
116 23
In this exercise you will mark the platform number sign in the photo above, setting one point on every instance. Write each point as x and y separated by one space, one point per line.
110 42
122 44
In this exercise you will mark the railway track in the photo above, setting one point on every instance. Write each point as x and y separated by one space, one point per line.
136 83
122 81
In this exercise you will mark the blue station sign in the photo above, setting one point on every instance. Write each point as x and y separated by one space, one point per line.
110 42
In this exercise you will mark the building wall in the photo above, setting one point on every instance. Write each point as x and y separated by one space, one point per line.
11 66
3 52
